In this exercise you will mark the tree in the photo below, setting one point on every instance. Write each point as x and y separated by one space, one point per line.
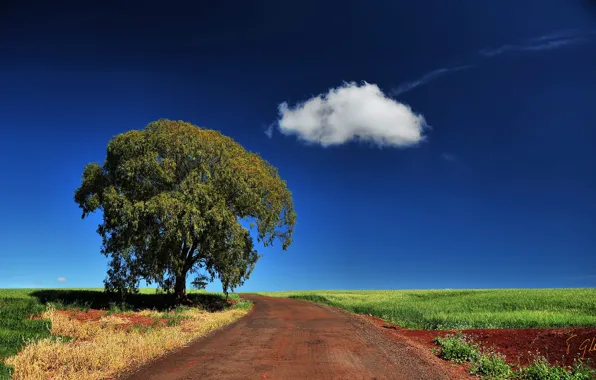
200 282
174 197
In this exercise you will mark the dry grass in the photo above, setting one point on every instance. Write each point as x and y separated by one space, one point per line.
102 350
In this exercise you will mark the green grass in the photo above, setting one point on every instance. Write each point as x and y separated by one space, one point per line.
462 309
15 327
242 304
17 305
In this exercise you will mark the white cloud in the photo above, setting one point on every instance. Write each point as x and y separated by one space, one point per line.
352 112
61 279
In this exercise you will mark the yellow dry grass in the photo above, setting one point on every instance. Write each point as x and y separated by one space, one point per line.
102 351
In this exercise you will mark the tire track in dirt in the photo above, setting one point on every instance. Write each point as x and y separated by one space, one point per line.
283 338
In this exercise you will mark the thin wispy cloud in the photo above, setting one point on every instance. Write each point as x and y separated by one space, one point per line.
544 42
562 33
541 43
269 130
352 112
448 157
61 279
407 86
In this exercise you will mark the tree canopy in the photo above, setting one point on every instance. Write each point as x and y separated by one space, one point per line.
173 197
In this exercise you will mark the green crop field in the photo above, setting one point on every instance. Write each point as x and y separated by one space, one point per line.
15 327
17 305
462 309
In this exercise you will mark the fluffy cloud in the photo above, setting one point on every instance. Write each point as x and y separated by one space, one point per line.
352 112
61 279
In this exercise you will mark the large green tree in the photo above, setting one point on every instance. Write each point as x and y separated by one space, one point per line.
173 197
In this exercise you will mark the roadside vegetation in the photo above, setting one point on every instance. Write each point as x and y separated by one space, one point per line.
464 309
84 334
460 348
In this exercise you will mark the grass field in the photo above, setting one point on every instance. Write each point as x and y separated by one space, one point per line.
463 309
17 330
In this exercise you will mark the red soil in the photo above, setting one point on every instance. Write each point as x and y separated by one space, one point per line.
131 319
520 346
83 316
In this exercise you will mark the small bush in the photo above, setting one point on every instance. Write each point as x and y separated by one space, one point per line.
540 369
119 307
181 309
458 348
243 304
582 370
492 366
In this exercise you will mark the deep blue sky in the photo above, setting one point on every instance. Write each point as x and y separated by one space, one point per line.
502 193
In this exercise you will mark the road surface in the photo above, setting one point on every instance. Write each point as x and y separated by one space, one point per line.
283 338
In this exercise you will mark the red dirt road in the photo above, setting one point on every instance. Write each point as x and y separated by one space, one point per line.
290 339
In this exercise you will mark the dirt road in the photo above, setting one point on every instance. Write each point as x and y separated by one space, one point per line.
289 339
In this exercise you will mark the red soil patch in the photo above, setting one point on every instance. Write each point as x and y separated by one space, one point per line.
131 319
520 346
142 320
232 302
83 316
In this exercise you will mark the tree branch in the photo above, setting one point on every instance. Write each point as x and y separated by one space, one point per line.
188 260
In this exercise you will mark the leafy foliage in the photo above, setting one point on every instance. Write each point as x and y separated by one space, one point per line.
493 366
458 348
200 282
173 197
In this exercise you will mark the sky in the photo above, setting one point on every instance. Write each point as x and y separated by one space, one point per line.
428 144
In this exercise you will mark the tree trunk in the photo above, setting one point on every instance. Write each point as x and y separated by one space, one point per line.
180 288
